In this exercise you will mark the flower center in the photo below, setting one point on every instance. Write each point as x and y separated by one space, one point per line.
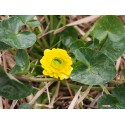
57 62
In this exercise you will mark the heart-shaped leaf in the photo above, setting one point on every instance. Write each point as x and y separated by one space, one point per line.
10 35
114 49
12 24
109 102
119 93
28 20
20 41
116 100
12 88
68 36
22 63
110 26
33 23
96 67
25 18
76 45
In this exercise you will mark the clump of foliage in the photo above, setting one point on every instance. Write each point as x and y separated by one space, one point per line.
93 61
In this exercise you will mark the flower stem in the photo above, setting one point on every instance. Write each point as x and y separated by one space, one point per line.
35 79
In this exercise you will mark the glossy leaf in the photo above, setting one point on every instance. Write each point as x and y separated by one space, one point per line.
123 72
10 35
96 67
25 106
12 24
3 46
25 18
110 26
76 45
109 102
114 49
12 88
20 41
22 63
33 23
96 43
68 36
119 93
116 100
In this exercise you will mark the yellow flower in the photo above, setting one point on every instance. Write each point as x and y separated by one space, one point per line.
56 63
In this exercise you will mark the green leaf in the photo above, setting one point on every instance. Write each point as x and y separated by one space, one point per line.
109 102
96 43
68 36
26 39
10 35
116 100
12 24
110 26
76 45
3 46
96 69
89 44
22 63
123 72
33 23
25 106
12 88
25 18
28 20
119 93
114 49
20 41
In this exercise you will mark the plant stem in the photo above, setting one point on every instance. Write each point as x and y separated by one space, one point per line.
69 89
36 55
43 39
117 82
105 89
12 51
46 18
51 22
40 43
84 87
63 20
102 43
59 24
88 33
56 44
51 28
35 79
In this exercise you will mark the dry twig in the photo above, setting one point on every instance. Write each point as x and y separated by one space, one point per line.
73 103
55 95
84 94
1 103
13 104
39 93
